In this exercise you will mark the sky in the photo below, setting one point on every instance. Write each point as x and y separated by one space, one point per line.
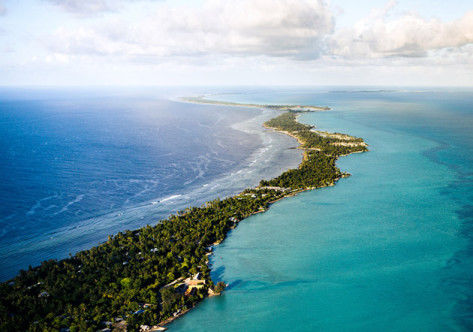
236 42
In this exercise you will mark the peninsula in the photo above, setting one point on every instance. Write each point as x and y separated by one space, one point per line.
145 278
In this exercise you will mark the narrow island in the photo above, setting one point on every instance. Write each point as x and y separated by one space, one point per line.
144 279
292 108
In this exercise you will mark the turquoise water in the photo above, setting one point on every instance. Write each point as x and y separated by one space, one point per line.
389 248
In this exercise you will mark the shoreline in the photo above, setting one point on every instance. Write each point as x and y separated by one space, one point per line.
292 194
170 261
166 322
247 172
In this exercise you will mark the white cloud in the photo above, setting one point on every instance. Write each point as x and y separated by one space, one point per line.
248 42
409 35
302 30
280 28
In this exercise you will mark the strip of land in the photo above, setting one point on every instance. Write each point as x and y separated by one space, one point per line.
294 108
146 278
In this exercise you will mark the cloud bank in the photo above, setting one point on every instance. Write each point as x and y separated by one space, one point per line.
243 41
407 36
281 28
294 29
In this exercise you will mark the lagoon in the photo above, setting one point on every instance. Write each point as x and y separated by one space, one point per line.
387 248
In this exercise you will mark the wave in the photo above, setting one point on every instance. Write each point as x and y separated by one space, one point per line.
170 198
37 205
66 207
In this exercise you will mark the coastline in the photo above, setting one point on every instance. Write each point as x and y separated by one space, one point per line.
310 258
316 170
272 156
301 143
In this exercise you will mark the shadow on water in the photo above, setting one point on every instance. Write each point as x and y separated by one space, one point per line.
234 284
217 274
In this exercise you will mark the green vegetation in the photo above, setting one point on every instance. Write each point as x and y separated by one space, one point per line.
220 287
140 276
318 168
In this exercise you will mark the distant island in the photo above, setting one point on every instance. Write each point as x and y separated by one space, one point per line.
293 108
144 279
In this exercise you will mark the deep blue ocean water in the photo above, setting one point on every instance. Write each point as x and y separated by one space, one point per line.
78 165
389 248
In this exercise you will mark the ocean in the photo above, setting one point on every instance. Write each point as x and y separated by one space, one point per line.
77 165
389 248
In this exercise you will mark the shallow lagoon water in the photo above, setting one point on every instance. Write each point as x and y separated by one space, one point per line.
385 249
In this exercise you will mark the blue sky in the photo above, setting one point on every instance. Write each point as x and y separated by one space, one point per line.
241 42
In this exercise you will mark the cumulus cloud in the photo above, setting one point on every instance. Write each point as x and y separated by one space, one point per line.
409 35
279 28
290 29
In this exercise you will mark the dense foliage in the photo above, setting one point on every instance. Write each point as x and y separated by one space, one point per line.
318 168
135 275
